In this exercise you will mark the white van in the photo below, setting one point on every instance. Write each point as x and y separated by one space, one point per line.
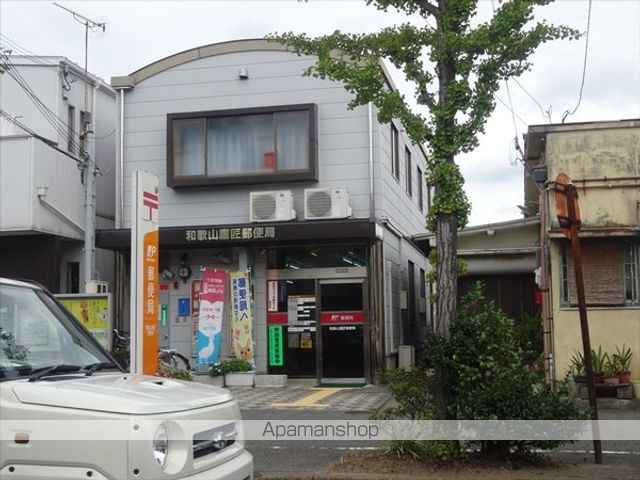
67 410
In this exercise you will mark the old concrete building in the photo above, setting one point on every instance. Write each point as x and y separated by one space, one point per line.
603 161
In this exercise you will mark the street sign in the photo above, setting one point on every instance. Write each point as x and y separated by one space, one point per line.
144 273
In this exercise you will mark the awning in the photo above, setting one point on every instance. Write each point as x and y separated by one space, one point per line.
251 234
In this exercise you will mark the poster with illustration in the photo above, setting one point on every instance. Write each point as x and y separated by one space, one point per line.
93 312
212 296
241 315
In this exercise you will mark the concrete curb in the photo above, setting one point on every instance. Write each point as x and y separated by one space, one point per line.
335 476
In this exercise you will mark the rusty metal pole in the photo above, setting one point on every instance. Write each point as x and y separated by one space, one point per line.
574 226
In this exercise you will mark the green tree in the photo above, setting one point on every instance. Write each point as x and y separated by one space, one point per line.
456 66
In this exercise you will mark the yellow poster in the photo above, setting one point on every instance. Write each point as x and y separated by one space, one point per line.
92 311
241 315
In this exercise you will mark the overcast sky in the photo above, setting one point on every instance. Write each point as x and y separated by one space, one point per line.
139 33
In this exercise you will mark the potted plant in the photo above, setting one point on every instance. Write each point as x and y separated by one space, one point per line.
216 372
611 369
598 360
237 373
623 362
577 369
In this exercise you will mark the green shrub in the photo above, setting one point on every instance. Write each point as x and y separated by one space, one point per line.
167 371
234 365
489 375
413 390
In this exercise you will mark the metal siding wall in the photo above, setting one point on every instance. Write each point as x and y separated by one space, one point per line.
212 84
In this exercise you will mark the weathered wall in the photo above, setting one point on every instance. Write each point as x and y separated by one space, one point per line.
605 166
607 327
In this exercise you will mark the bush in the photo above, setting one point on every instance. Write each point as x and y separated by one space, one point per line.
233 365
489 375
167 371
412 390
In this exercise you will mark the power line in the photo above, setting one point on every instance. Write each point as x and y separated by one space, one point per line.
44 140
24 52
545 113
59 125
584 66
511 110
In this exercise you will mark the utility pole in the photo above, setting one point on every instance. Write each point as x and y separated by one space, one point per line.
89 168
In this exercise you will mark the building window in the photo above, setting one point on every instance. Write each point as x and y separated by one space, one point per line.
423 284
420 190
254 145
395 153
71 120
610 270
407 161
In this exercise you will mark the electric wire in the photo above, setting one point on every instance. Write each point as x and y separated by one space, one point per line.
59 125
24 52
545 113
584 66
45 140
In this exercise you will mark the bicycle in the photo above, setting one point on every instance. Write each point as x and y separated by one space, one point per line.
121 352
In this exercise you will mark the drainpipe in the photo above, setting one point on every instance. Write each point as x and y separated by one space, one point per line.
544 287
372 196
120 189
90 195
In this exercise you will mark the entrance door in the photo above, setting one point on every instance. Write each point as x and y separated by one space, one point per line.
291 319
342 338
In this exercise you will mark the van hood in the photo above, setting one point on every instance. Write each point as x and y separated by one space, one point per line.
120 393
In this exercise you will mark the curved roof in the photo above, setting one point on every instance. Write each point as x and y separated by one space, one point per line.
211 50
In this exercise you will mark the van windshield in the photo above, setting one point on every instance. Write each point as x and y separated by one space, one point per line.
35 333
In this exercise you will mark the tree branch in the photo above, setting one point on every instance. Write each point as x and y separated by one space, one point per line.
428 7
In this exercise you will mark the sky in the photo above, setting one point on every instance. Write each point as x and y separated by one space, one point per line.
138 33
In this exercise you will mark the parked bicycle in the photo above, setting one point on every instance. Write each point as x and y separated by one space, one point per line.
122 347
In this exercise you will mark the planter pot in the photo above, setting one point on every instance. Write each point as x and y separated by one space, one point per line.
624 377
217 381
598 377
611 380
580 379
209 380
239 379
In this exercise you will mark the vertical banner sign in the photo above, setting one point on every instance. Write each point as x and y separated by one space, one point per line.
213 291
241 315
144 273
275 346
196 285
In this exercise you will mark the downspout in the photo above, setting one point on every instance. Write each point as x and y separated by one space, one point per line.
372 196
120 215
544 287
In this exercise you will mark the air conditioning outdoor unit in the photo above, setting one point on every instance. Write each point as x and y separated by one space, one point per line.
326 203
271 206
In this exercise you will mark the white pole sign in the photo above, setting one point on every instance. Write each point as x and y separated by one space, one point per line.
144 273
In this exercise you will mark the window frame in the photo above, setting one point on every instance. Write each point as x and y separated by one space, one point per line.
629 259
420 188
409 166
309 174
395 152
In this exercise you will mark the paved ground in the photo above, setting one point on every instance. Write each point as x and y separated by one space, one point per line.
312 459
301 396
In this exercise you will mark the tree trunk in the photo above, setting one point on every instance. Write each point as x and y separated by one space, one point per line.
447 271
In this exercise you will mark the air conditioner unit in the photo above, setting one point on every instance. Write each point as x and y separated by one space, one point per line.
271 206
326 203
95 286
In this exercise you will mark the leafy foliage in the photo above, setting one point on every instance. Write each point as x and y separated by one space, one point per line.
455 66
413 390
11 349
168 371
490 378
233 365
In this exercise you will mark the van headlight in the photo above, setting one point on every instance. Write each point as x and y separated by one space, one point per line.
161 446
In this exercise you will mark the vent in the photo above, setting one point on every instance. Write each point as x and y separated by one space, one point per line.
322 203
271 206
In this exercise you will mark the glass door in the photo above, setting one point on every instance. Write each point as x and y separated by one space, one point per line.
291 321
342 330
